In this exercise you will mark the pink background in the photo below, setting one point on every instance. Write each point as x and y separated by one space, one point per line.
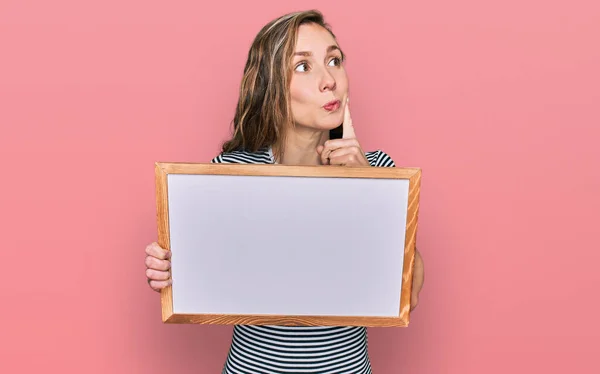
498 102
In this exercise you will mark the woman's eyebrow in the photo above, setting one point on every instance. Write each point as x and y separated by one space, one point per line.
329 49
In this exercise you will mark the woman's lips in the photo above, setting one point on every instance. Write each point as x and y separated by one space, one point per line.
332 106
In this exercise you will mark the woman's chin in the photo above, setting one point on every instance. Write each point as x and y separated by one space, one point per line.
331 123
332 126
324 125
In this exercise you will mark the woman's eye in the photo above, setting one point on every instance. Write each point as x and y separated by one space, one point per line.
336 61
300 66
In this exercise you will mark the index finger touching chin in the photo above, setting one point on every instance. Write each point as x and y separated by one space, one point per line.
347 126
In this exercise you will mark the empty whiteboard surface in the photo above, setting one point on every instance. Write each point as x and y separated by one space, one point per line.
287 245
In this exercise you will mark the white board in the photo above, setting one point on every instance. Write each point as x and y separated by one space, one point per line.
286 245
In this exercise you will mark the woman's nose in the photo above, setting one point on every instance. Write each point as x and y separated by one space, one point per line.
327 82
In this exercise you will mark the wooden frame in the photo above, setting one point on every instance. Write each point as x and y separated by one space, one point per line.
413 175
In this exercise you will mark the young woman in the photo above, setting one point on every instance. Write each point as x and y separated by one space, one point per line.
293 97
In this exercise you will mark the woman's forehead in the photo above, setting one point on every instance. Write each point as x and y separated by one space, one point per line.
314 38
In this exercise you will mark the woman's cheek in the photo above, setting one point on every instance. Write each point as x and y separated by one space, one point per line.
302 102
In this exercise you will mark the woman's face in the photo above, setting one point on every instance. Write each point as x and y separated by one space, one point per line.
319 84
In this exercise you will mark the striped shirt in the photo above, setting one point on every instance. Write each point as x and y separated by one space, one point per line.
297 349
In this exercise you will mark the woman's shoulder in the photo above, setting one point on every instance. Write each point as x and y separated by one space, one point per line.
380 159
262 156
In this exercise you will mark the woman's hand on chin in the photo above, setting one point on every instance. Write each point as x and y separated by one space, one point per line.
345 151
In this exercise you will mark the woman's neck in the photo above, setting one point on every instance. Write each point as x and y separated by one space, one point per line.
301 148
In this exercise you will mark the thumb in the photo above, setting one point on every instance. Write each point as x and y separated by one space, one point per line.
320 149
